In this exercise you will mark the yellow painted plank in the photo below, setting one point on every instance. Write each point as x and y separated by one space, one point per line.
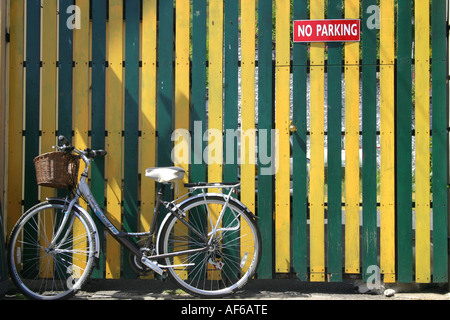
387 126
48 108
282 106
215 113
182 137
181 157
352 195
3 121
215 146
148 110
15 121
81 78
317 237
422 118
114 122
248 133
81 95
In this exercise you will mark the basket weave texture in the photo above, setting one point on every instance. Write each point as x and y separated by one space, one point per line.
57 170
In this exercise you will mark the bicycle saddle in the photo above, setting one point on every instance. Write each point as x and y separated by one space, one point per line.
165 174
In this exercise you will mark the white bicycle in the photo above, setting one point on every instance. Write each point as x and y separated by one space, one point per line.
208 242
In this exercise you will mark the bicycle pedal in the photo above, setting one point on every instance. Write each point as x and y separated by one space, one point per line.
163 277
152 265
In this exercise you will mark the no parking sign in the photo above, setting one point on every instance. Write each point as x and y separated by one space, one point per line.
339 30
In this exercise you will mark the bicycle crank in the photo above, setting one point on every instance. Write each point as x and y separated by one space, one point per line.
154 266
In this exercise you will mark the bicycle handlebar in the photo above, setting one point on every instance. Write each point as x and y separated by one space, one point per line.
88 153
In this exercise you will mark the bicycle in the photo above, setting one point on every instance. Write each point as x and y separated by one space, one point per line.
208 243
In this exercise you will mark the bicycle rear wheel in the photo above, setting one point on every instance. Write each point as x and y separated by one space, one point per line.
49 273
230 256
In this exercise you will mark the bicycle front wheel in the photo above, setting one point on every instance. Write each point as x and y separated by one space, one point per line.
219 254
49 272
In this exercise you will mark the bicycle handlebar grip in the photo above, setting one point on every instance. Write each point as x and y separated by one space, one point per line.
100 153
64 140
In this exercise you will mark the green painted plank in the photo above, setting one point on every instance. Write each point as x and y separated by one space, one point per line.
65 76
265 200
440 142
230 168
32 113
230 110
334 173
198 111
65 72
404 140
32 100
131 135
165 81
369 164
299 151
98 114
165 88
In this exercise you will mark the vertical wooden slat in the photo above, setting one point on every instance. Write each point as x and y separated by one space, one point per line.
334 173
440 143
369 140
81 91
404 143
352 197
215 90
32 100
198 112
248 134
387 126
81 78
98 113
65 70
265 123
181 135
165 87
230 104
32 105
422 134
182 95
114 127
148 109
15 120
165 82
3 123
282 106
317 237
48 119
230 110
215 107
299 152
131 125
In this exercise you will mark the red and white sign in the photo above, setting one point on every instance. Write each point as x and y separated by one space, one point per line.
340 30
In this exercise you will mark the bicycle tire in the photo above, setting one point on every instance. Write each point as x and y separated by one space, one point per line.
54 274
231 260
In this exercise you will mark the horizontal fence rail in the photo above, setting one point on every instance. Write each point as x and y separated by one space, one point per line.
341 148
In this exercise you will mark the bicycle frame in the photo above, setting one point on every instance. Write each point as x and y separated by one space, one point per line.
122 237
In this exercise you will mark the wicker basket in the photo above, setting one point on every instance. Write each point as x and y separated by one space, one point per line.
57 170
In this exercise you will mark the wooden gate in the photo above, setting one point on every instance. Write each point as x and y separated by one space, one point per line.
351 139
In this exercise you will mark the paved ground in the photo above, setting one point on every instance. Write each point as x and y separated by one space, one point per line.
254 290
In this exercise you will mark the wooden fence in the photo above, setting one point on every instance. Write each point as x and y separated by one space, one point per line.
124 75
